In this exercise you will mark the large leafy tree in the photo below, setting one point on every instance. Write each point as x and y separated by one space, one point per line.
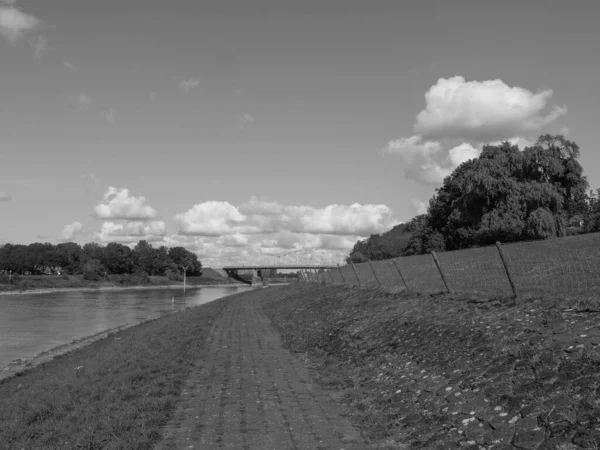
510 195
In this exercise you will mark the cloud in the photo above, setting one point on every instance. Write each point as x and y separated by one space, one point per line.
417 206
153 96
4 197
259 229
419 157
233 240
83 101
69 65
189 84
40 44
483 110
460 117
131 232
71 230
262 217
212 218
246 120
117 204
14 23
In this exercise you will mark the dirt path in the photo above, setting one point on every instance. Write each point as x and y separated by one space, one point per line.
247 392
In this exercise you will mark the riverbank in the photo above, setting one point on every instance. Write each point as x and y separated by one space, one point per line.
68 283
116 391
121 288
409 371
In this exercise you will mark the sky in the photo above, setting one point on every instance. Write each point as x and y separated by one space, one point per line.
247 130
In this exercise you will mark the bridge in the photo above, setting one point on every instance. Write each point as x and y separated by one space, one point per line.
314 259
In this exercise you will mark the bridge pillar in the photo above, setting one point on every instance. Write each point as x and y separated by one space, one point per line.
256 278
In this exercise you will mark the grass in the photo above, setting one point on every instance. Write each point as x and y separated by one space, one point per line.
449 371
113 394
568 266
32 282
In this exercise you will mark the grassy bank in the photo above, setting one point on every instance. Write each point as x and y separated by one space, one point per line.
42 282
116 393
443 372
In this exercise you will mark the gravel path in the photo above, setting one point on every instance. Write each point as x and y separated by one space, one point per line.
247 392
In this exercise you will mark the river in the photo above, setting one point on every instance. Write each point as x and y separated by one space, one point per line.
33 323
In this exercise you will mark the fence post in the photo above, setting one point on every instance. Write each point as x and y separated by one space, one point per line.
437 263
373 270
331 276
356 273
342 274
508 273
400 273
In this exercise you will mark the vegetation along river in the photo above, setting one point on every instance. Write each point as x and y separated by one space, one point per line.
33 323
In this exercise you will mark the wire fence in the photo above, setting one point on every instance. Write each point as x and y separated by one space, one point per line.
568 266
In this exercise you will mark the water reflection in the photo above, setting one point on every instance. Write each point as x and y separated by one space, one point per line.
33 323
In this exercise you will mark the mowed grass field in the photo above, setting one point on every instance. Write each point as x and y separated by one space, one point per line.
113 394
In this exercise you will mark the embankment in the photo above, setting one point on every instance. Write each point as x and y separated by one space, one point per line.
443 372
113 393
409 371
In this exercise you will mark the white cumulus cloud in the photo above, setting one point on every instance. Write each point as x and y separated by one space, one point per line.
212 218
14 23
260 230
460 117
483 110
71 230
118 204
131 232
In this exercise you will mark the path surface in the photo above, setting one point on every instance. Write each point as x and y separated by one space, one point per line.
247 392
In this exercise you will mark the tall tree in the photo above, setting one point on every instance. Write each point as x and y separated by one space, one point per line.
509 195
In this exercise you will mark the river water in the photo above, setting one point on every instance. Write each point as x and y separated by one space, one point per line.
33 323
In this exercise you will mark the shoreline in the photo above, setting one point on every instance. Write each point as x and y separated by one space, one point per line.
19 365
116 288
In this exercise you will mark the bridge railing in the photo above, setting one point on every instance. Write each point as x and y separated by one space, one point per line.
565 267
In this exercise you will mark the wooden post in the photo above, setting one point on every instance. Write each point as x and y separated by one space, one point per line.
331 276
437 263
400 273
373 270
356 273
508 273
342 274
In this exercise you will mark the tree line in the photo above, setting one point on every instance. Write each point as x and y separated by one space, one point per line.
505 195
96 262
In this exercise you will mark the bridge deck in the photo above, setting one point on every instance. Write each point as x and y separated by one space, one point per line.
275 266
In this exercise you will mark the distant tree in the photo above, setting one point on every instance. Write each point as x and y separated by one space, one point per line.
592 220
93 270
117 258
69 256
382 246
184 258
93 250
